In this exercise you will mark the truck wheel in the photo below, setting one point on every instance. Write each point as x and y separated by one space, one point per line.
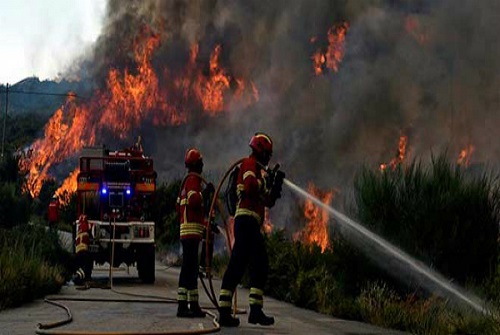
146 263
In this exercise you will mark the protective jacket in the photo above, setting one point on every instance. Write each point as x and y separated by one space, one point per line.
53 213
191 210
83 234
253 193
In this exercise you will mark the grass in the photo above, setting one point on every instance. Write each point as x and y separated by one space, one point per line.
382 306
442 214
32 264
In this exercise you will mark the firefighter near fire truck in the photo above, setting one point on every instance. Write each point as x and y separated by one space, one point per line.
191 209
53 212
256 187
83 261
115 197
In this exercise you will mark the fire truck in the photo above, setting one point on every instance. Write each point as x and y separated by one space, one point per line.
115 191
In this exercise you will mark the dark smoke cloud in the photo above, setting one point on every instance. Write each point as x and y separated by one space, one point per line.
441 91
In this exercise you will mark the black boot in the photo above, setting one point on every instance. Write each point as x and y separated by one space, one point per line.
79 277
195 310
258 317
183 310
226 319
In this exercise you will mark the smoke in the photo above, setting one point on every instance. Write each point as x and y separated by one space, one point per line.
424 69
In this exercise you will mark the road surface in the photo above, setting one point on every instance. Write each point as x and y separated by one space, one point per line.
91 316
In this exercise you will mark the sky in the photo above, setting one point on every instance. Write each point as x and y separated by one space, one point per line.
42 37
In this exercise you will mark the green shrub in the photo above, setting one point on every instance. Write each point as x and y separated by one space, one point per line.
164 214
14 206
306 277
442 215
382 306
32 264
492 287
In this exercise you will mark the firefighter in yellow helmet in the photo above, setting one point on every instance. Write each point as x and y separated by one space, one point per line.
254 194
191 211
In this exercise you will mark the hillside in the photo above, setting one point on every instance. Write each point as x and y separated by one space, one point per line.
29 96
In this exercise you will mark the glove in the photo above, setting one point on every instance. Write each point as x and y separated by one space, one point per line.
269 178
279 176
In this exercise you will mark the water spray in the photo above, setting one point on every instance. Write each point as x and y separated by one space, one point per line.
393 251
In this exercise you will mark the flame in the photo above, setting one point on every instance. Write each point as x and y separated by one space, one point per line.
316 230
465 154
62 136
400 155
68 187
332 57
211 90
130 98
267 225
414 29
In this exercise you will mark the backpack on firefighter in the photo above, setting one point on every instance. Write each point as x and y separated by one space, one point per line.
231 192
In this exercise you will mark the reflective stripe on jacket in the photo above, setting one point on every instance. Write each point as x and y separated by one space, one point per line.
190 209
82 240
252 191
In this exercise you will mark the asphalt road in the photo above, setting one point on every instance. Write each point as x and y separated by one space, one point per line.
128 316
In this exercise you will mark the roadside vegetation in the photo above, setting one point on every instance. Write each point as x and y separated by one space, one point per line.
444 215
32 263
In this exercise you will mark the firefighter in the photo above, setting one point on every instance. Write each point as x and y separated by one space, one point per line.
53 213
137 149
83 263
191 211
255 192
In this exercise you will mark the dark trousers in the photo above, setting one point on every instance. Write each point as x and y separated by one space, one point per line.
189 271
84 261
249 251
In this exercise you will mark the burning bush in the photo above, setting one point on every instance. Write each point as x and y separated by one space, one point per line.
442 214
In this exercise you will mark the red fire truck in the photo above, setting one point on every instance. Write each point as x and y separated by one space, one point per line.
115 193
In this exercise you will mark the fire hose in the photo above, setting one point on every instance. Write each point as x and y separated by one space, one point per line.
45 329
215 200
